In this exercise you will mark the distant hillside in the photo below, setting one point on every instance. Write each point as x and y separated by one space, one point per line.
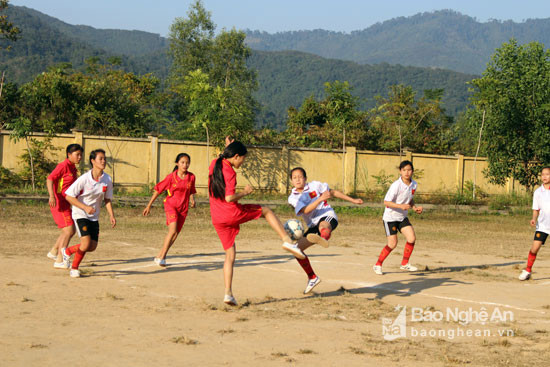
443 39
285 78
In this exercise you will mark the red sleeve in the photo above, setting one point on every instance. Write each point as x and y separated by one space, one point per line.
164 184
193 190
230 178
57 173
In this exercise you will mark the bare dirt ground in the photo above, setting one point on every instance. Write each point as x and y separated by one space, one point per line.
126 311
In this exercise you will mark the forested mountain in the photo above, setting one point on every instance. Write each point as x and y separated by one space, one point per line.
284 78
443 39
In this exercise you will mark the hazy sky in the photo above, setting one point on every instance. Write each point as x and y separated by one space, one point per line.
275 15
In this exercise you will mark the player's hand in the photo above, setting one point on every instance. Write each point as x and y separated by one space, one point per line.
113 222
325 195
358 201
89 209
418 209
146 211
52 202
405 206
193 204
248 189
228 140
533 222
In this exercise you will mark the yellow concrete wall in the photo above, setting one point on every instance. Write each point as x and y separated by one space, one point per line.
135 163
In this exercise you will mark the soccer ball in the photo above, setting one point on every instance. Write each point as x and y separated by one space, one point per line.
294 229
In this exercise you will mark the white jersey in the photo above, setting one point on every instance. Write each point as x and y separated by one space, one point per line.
399 193
90 192
312 191
541 202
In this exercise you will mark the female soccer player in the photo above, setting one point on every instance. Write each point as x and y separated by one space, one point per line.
541 218
86 195
57 183
180 186
227 214
309 200
398 200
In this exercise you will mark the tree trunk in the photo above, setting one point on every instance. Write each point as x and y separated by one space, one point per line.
32 163
2 83
207 144
477 152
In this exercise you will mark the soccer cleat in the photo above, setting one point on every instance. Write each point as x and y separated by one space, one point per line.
74 273
524 275
230 300
315 238
160 262
408 267
311 284
61 265
294 250
50 256
378 269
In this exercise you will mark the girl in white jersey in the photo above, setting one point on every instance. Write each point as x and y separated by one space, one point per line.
309 200
398 201
86 195
541 218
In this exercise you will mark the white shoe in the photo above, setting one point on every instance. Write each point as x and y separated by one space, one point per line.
74 273
377 269
160 262
294 250
66 257
50 256
315 238
61 265
408 267
311 284
524 275
230 300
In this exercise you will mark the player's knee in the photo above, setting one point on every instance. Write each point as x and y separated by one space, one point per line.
266 211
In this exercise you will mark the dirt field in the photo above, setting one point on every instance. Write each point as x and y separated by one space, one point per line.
126 311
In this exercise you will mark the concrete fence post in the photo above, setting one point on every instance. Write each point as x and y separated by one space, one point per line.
153 160
350 171
460 171
285 168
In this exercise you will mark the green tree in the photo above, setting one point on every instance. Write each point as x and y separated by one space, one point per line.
7 29
514 91
210 79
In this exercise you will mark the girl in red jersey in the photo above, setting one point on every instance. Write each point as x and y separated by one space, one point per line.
180 186
57 183
228 214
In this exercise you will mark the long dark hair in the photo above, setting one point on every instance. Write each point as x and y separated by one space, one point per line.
180 156
71 148
216 181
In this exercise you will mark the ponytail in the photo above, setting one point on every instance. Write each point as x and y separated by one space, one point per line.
180 156
216 181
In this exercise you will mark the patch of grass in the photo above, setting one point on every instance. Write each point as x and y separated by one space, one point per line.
306 351
38 346
226 331
110 296
10 284
241 319
25 299
357 351
279 354
184 340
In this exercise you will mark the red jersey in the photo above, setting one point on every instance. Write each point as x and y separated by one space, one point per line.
62 177
179 190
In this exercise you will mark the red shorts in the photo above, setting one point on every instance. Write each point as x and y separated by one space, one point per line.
228 231
173 216
62 218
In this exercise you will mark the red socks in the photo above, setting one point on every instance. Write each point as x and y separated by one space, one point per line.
304 263
530 261
79 255
409 247
71 250
385 252
325 233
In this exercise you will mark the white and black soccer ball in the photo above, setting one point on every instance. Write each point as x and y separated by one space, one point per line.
294 229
